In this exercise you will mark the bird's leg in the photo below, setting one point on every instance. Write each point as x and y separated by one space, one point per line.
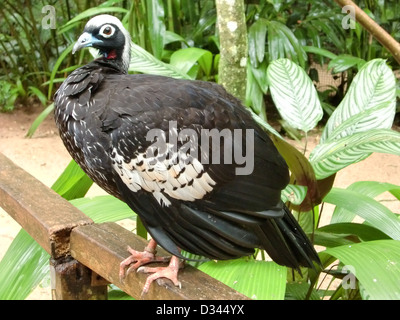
138 258
170 272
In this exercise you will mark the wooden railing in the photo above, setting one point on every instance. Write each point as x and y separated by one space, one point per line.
85 256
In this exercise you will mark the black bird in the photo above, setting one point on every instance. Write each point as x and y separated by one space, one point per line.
185 155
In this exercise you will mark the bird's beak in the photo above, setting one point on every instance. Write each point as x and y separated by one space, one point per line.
85 40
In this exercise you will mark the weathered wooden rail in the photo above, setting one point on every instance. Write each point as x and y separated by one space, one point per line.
85 256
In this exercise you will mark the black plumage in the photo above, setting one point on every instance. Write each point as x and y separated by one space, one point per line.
204 207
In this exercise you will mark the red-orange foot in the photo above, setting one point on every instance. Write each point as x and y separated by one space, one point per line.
170 272
138 258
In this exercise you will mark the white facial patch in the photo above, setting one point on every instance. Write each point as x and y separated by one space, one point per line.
105 19
175 176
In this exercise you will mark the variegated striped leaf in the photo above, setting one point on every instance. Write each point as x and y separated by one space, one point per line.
142 61
294 194
294 94
330 157
373 87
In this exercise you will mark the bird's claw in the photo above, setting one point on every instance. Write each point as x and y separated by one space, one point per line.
138 259
159 273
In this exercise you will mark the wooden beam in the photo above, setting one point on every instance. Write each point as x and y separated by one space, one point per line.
96 249
45 215
102 247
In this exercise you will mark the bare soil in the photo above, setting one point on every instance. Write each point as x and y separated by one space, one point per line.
45 157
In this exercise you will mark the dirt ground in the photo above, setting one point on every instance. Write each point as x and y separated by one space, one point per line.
45 157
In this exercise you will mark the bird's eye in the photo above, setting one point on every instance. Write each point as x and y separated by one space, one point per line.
107 31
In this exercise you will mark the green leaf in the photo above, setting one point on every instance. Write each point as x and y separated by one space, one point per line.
367 188
319 51
22 268
265 125
301 172
185 59
282 43
59 61
330 240
298 291
259 280
294 194
374 213
73 182
330 157
103 208
343 62
39 120
351 122
142 61
376 265
363 231
156 26
294 94
373 86
254 93
39 94
260 75
171 37
256 34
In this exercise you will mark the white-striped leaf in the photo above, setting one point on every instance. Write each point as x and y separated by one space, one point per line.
294 194
330 157
144 62
294 94
373 88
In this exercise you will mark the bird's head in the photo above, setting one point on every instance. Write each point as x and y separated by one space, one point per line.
106 33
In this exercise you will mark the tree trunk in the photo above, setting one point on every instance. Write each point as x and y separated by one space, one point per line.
233 43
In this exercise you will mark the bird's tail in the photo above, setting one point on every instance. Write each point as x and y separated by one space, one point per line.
287 244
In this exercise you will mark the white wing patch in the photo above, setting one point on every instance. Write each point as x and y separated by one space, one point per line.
175 176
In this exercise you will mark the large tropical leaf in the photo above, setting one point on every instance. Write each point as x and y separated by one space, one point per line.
259 280
282 43
257 33
294 94
156 26
144 62
22 268
185 59
330 157
294 194
73 183
376 265
373 86
374 213
103 208
368 188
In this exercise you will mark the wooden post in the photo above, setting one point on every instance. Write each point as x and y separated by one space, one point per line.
71 280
